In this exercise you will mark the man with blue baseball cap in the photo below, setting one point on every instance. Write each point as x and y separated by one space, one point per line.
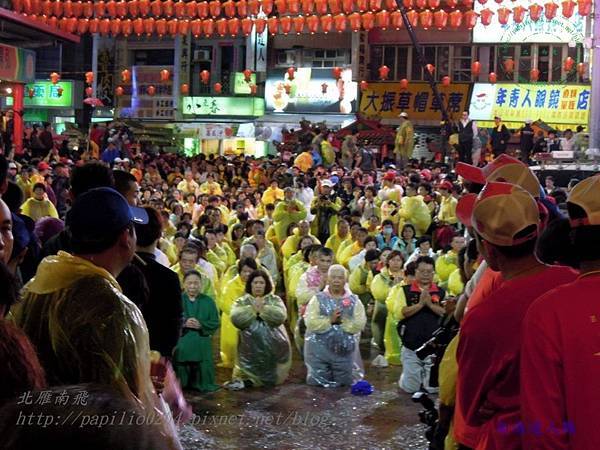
73 310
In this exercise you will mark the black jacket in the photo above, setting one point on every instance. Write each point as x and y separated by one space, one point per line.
500 138
163 311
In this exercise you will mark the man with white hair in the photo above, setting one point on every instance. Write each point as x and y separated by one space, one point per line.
334 319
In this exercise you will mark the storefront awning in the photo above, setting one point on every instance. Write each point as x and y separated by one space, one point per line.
21 31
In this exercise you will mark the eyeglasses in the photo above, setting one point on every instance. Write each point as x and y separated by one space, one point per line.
426 272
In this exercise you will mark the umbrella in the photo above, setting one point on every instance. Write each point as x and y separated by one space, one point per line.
92 101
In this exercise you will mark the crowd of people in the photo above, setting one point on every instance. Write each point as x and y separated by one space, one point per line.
123 271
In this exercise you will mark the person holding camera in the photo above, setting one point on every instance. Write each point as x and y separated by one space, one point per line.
325 207
418 310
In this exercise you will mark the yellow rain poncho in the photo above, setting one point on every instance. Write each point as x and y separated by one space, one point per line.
447 212
381 286
360 282
290 246
335 241
218 259
229 333
447 376
295 273
206 287
286 213
264 350
85 330
348 252
415 211
445 265
272 196
327 152
393 345
455 285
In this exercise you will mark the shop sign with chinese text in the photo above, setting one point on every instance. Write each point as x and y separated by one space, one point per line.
224 106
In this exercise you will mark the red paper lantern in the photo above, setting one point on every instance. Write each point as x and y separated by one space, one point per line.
30 93
335 6
326 23
222 27
348 6
115 27
89 77
273 25
281 6
308 6
290 73
99 8
253 88
383 72
89 91
105 27
368 21
247 24
88 10
550 9
94 25
420 4
581 69
180 9
122 9
156 8
396 20
125 76
375 5
214 8
54 77
218 87
324 87
452 3
433 4
470 19
144 7
202 10
413 18
247 75
205 76
362 5
337 72
486 16
535 12
492 77
242 8
518 14
253 7
233 26
53 22
151 90
83 25
364 86
229 8
382 19
197 27
72 24
184 89
46 8
67 8
503 15
568 64
534 74
404 83
475 68
267 6
183 27
321 7
312 23
299 24
119 91
509 65
355 21
584 7
340 23
111 8
149 25
172 27
286 24
426 19
408 4
165 75
133 8
293 7
161 27
126 27
568 8
208 27
260 24
440 19
391 5
455 19
446 80
58 8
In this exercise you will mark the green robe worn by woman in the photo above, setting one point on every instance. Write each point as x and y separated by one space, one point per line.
264 349
194 363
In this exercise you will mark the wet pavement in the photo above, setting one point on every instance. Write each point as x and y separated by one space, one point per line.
297 416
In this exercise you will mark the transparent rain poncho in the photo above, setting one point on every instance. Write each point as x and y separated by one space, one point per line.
331 351
264 350
86 331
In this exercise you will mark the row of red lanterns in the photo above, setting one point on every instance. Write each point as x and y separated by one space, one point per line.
184 89
425 19
535 12
214 8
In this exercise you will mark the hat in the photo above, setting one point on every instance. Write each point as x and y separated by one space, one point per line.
327 183
445 185
506 169
497 117
43 165
12 165
586 195
103 211
528 121
390 175
403 114
118 160
288 189
502 211
426 174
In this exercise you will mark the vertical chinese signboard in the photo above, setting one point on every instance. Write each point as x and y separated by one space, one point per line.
552 103
16 64
388 100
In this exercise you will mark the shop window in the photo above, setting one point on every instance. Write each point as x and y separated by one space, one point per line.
326 58
525 62
402 63
577 54
461 64
543 62
504 52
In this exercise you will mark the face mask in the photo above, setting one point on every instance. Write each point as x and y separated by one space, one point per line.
388 230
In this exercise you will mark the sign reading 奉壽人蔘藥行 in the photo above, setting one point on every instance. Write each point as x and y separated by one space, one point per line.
388 100
552 103
224 106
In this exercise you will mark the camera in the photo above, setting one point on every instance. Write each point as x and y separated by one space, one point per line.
439 339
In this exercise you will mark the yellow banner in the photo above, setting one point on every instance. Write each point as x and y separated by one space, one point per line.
388 100
552 103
